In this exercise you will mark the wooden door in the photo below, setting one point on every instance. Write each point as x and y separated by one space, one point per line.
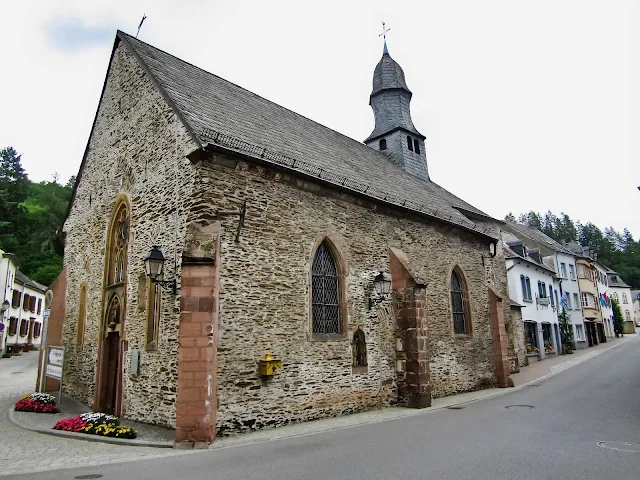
111 373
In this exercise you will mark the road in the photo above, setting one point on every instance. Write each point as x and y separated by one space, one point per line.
598 400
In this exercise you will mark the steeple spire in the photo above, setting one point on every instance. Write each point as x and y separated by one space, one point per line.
394 133
385 51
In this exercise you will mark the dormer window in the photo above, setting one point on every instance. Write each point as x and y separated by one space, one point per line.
416 146
383 144
409 143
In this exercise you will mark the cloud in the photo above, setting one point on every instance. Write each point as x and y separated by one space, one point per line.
72 35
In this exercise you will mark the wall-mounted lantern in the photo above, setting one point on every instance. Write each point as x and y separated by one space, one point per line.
269 365
4 307
154 265
382 286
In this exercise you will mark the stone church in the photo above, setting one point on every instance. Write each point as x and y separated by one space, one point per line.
275 234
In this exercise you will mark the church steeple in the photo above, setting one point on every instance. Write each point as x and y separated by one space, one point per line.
394 133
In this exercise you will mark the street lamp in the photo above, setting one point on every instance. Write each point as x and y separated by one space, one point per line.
382 286
154 265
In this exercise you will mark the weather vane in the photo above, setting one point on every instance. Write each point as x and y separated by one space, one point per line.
384 32
384 35
144 16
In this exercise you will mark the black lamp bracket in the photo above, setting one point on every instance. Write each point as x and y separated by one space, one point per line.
240 213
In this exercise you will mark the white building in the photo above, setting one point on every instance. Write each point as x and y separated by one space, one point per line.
8 267
603 301
635 298
563 262
23 318
622 292
531 284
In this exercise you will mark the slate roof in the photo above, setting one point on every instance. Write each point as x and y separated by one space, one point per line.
225 116
23 279
388 74
614 279
537 236
509 238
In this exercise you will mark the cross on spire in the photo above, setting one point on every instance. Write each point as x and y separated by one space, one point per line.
384 35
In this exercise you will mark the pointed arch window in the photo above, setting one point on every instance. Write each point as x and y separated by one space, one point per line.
118 244
325 292
460 304
82 316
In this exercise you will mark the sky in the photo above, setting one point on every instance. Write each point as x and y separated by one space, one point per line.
525 105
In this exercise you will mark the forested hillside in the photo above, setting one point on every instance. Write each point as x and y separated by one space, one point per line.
616 250
30 215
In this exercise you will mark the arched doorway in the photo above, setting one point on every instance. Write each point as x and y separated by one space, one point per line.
110 352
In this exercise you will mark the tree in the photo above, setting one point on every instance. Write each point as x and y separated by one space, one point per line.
14 189
618 319
509 217
71 182
566 331
30 215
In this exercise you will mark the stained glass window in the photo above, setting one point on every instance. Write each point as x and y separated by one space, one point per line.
325 296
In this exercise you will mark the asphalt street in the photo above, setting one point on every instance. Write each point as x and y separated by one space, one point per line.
550 431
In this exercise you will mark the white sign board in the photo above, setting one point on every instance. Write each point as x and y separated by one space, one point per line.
54 371
46 313
56 356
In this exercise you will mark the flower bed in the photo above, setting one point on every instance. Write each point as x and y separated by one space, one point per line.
96 424
37 402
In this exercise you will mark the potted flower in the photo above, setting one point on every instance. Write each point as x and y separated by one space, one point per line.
549 348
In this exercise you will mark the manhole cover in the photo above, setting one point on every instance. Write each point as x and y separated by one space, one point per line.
15 373
87 476
620 446
519 406
455 407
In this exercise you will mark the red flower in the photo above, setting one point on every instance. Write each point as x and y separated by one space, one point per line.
72 424
28 405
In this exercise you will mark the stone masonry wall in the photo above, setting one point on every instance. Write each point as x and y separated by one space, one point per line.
137 149
265 303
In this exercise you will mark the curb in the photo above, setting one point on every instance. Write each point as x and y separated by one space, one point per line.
88 438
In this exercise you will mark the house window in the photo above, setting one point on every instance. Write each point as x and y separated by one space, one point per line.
529 297
523 284
15 301
588 300
556 292
409 143
416 146
624 298
39 306
576 301
563 270
13 326
531 337
26 302
24 326
572 272
154 303
553 304
627 315
569 307
383 144
325 292
615 296
36 329
460 304
546 335
82 316
542 289
579 332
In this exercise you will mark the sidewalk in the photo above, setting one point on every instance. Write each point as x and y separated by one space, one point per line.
536 371
542 368
146 435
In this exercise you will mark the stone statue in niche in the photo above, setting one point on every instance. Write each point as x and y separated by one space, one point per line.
359 344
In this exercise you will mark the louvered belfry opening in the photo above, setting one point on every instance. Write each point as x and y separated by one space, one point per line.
325 297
